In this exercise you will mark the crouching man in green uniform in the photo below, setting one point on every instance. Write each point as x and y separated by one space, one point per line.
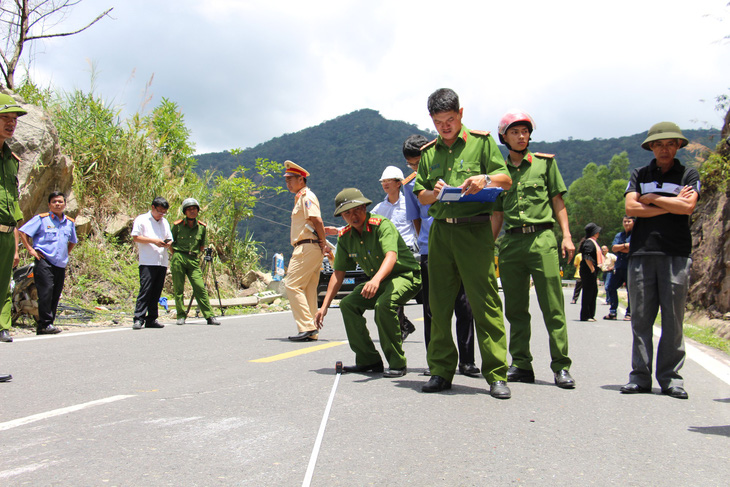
529 248
374 243
188 235
460 243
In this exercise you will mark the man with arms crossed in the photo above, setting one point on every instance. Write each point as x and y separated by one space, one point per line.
460 243
661 196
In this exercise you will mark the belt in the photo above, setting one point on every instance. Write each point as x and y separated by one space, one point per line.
530 228
191 254
306 240
468 219
7 228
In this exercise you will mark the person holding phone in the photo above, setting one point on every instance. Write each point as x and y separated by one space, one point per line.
151 232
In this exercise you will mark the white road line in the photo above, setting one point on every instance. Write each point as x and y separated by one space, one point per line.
711 364
318 442
58 412
68 335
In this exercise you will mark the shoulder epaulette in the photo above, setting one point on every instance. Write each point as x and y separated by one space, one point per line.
201 223
43 215
178 222
409 178
344 230
479 132
375 220
545 156
424 147
70 219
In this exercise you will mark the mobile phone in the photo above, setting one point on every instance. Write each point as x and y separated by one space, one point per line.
167 240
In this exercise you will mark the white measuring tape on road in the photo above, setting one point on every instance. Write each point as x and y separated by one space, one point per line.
318 442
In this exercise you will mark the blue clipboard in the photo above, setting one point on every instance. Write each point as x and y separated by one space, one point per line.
450 194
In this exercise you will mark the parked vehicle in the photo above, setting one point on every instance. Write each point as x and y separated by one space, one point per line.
24 292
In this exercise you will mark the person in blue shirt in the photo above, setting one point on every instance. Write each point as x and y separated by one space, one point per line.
620 247
53 236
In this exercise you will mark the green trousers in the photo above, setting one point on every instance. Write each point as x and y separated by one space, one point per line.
536 255
393 292
7 252
464 253
182 265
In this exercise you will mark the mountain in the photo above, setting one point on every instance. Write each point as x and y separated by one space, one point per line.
352 150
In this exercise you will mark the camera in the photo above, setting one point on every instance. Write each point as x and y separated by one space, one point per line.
208 254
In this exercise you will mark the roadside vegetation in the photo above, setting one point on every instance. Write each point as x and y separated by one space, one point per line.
120 165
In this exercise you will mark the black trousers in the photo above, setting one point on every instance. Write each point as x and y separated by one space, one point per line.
578 287
49 284
464 318
590 293
151 281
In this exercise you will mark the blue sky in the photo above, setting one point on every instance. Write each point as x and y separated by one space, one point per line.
246 71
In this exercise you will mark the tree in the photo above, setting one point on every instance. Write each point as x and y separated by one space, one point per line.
598 197
24 21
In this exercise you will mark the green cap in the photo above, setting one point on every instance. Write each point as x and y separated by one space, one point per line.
662 131
348 199
9 105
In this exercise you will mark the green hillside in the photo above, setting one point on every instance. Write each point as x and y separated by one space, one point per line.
353 149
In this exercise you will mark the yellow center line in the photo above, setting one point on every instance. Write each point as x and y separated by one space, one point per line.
301 351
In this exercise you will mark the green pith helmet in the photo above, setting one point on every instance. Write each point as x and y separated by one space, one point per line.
9 105
349 198
662 131
188 203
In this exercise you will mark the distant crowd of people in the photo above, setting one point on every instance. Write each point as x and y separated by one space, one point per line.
454 237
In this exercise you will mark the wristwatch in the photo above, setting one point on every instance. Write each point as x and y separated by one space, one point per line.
487 180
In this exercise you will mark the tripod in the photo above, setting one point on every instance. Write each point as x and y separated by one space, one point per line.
208 265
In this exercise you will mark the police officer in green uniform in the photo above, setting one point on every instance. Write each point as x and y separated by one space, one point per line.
460 244
10 212
528 211
188 235
373 242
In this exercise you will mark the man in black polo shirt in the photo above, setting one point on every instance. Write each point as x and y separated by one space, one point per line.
661 195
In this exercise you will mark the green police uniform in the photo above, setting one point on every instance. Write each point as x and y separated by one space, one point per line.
10 214
529 248
461 250
187 244
379 236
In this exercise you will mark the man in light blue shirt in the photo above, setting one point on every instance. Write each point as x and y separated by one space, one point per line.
53 236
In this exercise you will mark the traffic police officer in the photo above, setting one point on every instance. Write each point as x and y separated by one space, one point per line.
460 243
529 248
54 236
374 243
10 212
308 239
189 236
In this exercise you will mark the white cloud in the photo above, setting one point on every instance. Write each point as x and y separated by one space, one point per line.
246 71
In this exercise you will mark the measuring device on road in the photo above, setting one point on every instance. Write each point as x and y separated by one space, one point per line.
322 426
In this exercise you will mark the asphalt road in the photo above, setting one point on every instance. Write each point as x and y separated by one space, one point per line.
191 406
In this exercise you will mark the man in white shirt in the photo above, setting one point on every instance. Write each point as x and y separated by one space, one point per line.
393 207
151 232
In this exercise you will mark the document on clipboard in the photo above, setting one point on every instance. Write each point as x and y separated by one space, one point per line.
451 194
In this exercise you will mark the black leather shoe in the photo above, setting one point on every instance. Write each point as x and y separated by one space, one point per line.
499 390
436 384
48 330
307 336
515 374
406 329
154 324
212 321
564 380
5 377
359 369
632 388
138 324
394 372
5 336
676 392
469 370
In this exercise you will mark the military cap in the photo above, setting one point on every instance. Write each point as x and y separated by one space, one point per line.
348 199
293 169
662 131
